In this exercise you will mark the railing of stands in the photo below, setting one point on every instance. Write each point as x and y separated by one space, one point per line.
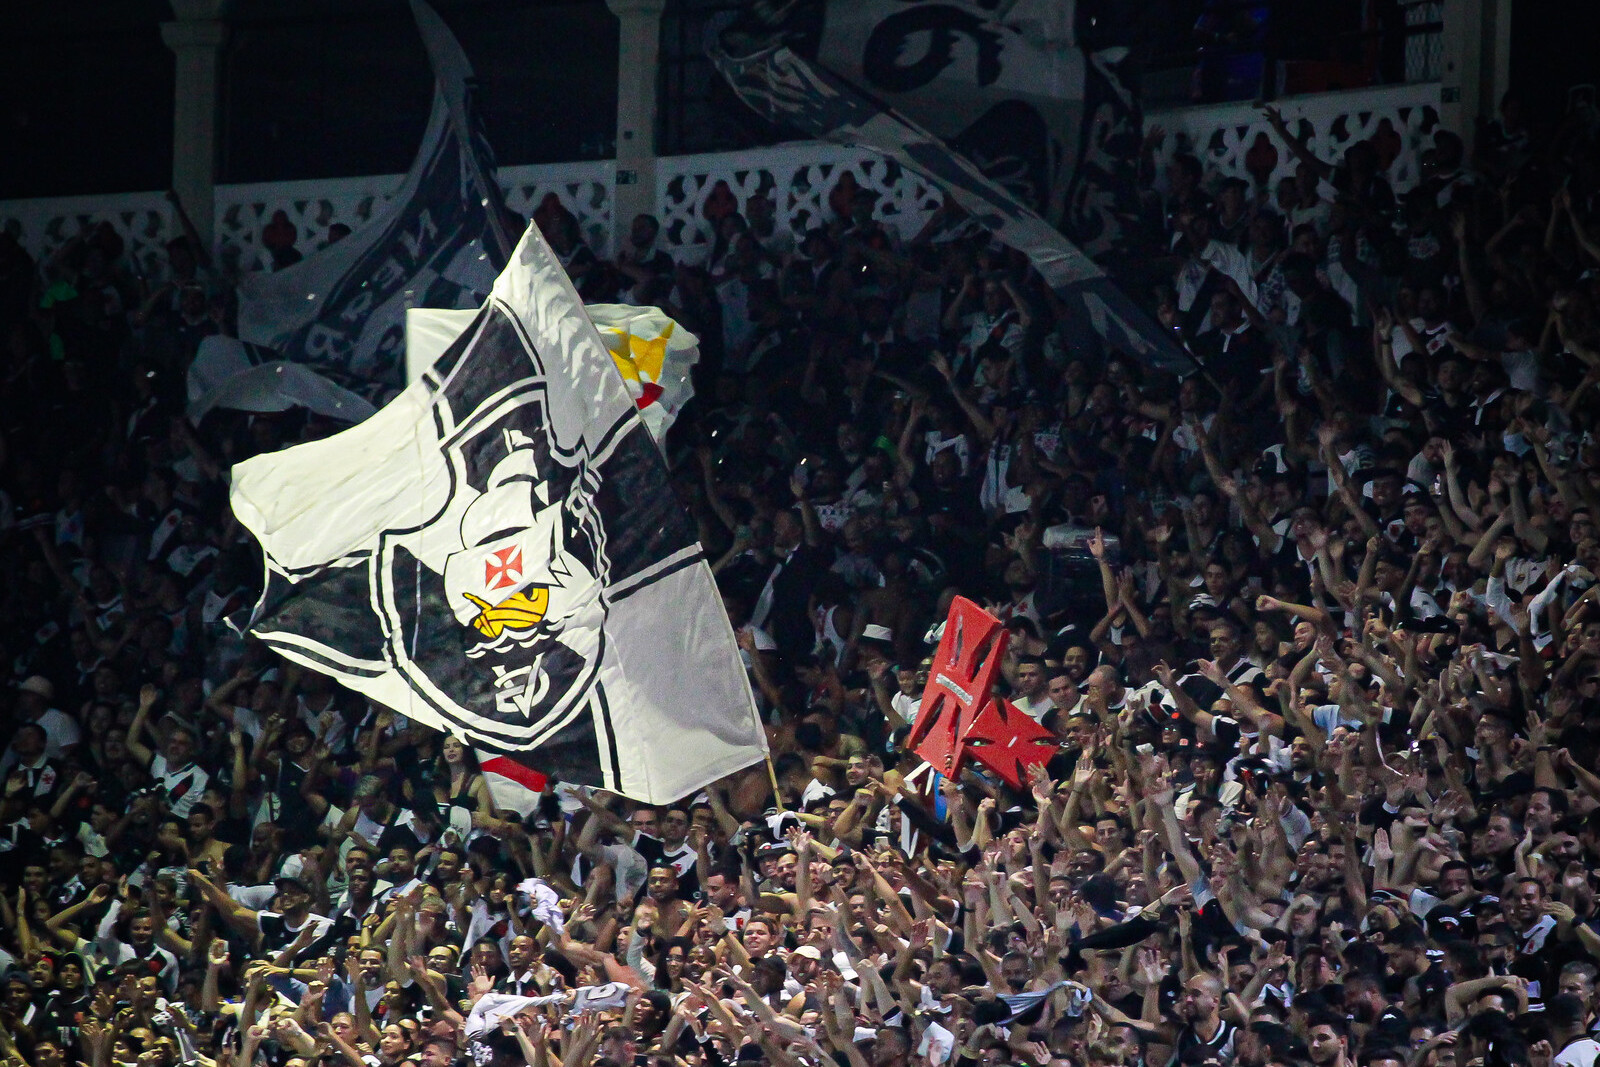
1234 140
692 192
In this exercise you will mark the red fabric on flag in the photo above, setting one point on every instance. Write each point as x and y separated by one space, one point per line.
523 775
512 784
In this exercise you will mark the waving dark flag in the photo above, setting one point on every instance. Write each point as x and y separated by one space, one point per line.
439 243
783 87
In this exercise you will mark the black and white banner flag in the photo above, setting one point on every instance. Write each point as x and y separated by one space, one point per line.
438 243
785 88
1037 94
497 554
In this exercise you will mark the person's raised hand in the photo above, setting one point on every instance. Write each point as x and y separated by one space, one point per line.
1158 789
1563 914
1043 789
1383 321
1150 968
1163 673
482 984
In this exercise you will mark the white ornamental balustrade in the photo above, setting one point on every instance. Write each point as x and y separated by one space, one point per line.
798 178
1232 139
246 214
585 189
144 221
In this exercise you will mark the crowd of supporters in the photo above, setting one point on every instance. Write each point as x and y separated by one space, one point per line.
1316 624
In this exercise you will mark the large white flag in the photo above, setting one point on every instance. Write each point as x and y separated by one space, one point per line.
497 554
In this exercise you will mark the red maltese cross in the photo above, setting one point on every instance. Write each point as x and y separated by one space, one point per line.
959 718
502 569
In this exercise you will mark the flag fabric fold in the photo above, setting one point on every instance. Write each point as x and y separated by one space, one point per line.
513 785
227 373
497 554
653 353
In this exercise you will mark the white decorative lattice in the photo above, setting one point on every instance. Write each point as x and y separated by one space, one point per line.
585 189
144 221
1221 135
797 177
244 211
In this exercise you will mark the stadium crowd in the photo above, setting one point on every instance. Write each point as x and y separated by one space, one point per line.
1316 624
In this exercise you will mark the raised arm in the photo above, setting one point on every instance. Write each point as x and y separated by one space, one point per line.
242 920
1296 145
148 694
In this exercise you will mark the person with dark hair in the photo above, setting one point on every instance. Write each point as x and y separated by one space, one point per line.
1567 1018
1031 695
1328 1041
1490 1039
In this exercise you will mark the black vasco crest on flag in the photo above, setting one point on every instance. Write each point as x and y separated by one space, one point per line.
498 554
492 604
493 608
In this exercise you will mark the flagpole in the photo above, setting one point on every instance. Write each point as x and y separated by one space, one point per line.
772 775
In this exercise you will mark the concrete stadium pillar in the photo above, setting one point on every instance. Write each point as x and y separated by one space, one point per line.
1477 63
638 50
196 38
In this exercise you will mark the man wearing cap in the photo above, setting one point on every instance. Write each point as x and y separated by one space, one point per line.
805 964
19 1006
876 645
61 732
271 931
